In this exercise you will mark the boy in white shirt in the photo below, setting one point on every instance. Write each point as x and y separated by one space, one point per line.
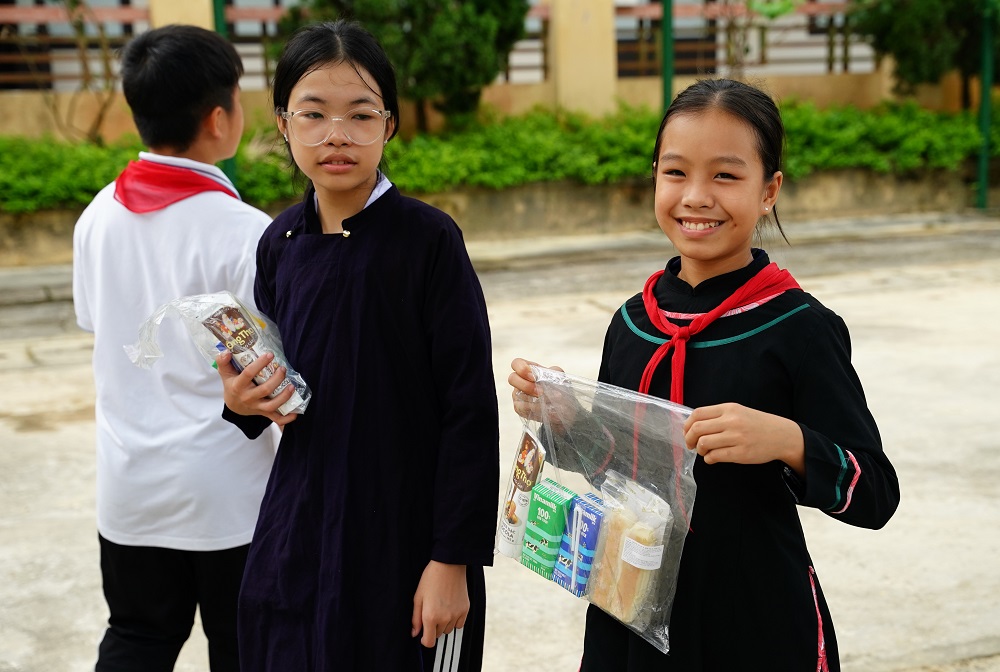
178 487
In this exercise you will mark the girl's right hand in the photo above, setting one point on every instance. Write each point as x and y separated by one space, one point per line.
245 397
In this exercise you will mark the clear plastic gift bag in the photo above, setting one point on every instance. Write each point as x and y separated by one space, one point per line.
218 322
600 497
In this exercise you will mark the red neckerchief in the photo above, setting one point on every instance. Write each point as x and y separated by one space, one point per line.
768 281
145 186
765 283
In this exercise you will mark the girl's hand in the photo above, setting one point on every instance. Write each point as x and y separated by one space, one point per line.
522 379
245 397
562 409
441 602
735 433
525 393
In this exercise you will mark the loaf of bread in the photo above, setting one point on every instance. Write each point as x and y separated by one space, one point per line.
635 584
626 565
604 578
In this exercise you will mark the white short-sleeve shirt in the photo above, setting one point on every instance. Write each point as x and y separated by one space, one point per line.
170 471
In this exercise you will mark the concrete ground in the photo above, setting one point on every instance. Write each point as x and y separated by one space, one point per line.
922 594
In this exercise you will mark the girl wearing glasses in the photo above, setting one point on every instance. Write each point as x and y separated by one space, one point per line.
379 513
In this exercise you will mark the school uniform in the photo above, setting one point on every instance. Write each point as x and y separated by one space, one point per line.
395 461
178 488
748 594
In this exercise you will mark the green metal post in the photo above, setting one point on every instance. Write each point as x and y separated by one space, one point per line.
985 105
667 55
219 10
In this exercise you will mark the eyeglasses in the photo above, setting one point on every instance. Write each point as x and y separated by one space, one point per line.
362 125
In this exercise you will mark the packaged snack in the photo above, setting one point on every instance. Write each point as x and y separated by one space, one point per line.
546 523
527 467
239 334
604 578
641 555
629 561
630 448
219 322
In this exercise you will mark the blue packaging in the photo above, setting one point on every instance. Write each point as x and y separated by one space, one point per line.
579 542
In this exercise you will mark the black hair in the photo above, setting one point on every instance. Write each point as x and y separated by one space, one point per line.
314 46
747 103
173 77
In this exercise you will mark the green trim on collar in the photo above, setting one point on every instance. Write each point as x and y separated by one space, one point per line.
638 332
709 344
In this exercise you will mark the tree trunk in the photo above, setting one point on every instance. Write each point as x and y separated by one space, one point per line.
421 108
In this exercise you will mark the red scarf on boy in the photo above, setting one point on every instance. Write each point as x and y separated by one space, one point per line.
146 186
769 281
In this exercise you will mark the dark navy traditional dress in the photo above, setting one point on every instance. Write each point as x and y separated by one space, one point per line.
395 461
748 596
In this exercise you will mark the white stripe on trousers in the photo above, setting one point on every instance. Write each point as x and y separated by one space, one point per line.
449 651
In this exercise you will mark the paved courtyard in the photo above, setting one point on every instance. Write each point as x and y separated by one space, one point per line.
921 594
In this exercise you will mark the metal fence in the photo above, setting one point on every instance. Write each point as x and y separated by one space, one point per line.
45 47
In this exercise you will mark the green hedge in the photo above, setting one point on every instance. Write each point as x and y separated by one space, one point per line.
536 147
39 174
898 138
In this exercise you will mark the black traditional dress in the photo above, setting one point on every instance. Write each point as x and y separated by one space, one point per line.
748 596
395 461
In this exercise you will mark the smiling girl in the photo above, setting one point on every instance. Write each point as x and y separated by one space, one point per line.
378 516
780 417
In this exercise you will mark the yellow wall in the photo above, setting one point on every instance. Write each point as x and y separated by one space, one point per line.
860 90
582 54
26 113
32 114
581 77
193 12
520 98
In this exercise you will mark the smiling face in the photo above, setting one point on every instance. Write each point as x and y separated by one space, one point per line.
340 169
711 192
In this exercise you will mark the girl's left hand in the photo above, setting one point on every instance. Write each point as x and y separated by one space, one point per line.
735 433
441 602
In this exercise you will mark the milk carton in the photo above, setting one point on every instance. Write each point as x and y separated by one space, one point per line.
546 522
578 544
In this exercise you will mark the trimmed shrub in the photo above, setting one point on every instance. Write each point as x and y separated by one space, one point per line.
540 146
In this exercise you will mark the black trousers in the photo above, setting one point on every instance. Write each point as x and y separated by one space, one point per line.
152 594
